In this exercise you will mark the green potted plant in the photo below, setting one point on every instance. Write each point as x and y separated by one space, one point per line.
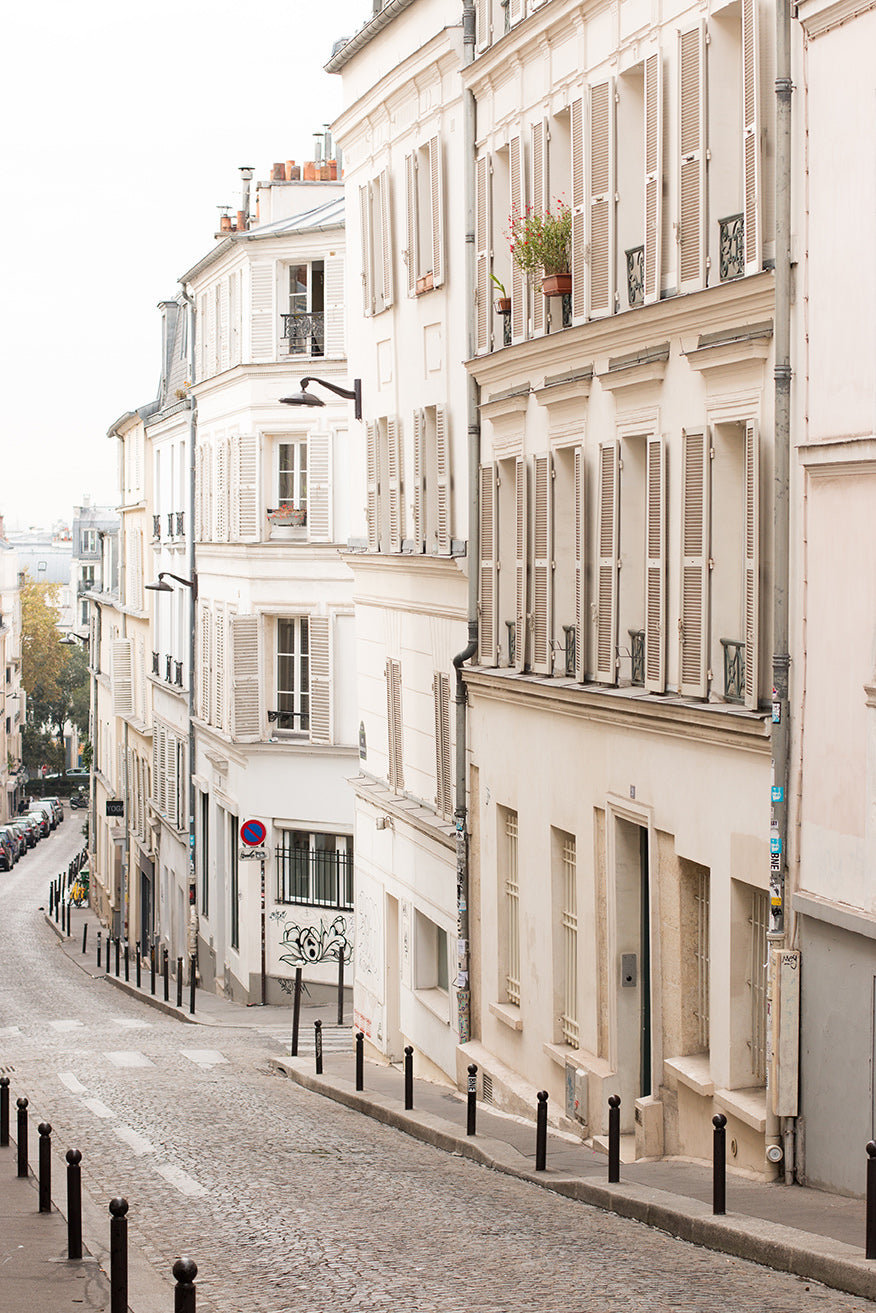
503 301
541 245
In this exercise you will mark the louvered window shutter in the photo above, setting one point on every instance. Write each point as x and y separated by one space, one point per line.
122 677
140 681
580 564
172 780
521 542
653 176
607 567
319 487
655 567
751 136
602 206
541 205
436 204
443 772
210 361
366 249
224 351
335 335
156 802
518 207
484 318
137 547
412 256
199 497
222 490
204 655
219 680
162 766
386 251
262 335
692 163
245 665
244 493
372 479
483 27
579 215
542 564
442 479
320 679
394 470
417 508
395 773
752 564
201 336
695 529
489 575
516 11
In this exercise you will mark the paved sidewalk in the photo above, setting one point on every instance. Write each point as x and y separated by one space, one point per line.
811 1233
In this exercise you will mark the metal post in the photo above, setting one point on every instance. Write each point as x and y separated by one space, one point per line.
192 985
541 1131
118 1256
409 1077
22 1137
74 1204
4 1111
127 961
57 901
152 968
84 938
471 1119
296 1012
69 915
719 1164
166 971
179 982
360 1060
614 1139
138 961
317 1029
51 898
118 952
341 986
185 1293
98 950
45 1190
871 1199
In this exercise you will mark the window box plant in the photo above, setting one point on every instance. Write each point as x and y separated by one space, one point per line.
541 244
296 516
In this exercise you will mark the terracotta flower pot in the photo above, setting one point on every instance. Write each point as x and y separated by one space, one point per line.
556 284
503 305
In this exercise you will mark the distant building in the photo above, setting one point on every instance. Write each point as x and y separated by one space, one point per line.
90 525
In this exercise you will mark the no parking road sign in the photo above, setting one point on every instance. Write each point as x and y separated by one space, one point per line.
253 835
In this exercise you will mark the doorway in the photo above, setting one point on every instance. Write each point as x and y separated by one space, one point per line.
633 967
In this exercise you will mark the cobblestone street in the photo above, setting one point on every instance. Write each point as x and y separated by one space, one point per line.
289 1202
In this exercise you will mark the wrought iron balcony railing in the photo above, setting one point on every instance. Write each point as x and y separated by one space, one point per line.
178 673
635 276
156 526
569 642
170 524
734 669
317 879
637 656
156 660
290 720
305 333
168 669
732 261
180 524
511 626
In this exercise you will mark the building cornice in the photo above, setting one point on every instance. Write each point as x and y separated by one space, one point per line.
816 17
404 810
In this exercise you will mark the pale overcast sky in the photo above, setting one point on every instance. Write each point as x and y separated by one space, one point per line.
123 130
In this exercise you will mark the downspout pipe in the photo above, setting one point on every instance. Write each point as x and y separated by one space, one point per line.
460 815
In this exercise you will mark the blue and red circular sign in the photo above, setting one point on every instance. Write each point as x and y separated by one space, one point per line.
253 833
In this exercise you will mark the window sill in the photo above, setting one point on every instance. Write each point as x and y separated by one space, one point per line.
437 1001
508 1014
561 1054
692 1071
748 1106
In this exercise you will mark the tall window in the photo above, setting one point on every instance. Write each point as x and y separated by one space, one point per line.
395 748
758 921
89 541
511 890
233 828
304 325
293 675
292 475
569 918
315 869
204 854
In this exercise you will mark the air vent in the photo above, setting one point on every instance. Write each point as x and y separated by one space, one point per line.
487 1088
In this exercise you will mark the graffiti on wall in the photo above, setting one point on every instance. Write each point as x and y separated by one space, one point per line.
303 945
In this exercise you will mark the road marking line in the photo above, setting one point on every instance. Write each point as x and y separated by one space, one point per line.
67 1025
181 1180
73 1085
99 1109
130 1024
134 1140
129 1058
204 1057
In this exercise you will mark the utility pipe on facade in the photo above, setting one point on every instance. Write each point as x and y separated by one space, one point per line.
463 983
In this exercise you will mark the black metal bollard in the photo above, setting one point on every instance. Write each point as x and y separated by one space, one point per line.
74 1204
51 898
317 1038
296 1012
4 1111
409 1077
84 938
69 919
614 1139
127 961
57 902
118 955
192 983
166 974
98 950
118 1256
871 1199
472 1110
541 1131
179 982
45 1190
63 915
719 1164
341 987
185 1270
152 968
22 1137
360 1060
139 964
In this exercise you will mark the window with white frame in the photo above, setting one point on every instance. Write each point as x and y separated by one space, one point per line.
431 964
385 483
424 215
315 869
292 476
757 981
304 321
89 542
292 713
377 253
510 906
430 491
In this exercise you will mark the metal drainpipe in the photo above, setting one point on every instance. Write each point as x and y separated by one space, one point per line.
781 509
193 433
463 991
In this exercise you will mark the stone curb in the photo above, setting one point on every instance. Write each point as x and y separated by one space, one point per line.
802 1253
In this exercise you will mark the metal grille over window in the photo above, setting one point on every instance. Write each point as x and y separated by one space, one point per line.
315 869
570 943
758 981
702 960
512 897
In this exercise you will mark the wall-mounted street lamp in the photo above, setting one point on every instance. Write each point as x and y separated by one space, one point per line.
162 587
305 398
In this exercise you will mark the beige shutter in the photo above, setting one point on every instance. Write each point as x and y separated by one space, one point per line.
516 11
412 255
602 206
335 336
386 251
219 675
751 136
653 176
172 780
224 352
162 770
221 490
417 506
518 206
752 564
372 479
394 471
695 510
244 488
320 679
156 774
483 231
262 336
489 576
436 204
579 219
204 655
245 666
607 532
319 487
395 773
201 337
521 545
122 677
442 480
199 494
207 493
443 772
542 564
580 564
655 567
483 26
692 161
541 204
365 249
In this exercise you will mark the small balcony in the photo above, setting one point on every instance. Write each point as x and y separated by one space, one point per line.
156 528
732 233
156 663
734 669
180 524
168 670
305 333
637 657
178 674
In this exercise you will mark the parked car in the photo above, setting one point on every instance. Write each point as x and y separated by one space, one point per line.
8 849
40 804
57 805
21 835
78 774
30 829
41 820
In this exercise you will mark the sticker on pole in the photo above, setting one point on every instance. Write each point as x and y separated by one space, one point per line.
253 833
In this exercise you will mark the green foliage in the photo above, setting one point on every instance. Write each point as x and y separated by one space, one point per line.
541 243
54 676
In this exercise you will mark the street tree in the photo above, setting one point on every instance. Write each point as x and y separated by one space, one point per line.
54 676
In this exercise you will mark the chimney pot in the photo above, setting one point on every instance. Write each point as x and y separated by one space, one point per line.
241 221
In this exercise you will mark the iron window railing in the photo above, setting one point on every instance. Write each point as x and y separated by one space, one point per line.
156 526
170 524
156 663
305 333
168 669
178 673
734 669
312 875
180 524
732 241
569 648
637 656
511 626
635 276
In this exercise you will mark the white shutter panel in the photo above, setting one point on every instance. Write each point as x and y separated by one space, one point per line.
219 679
692 164
319 487
442 480
516 11
580 564
541 205
320 679
417 507
483 27
199 494
221 490
245 487
262 311
412 257
693 623
483 229
161 779
224 353
201 336
365 249
386 250
521 540
752 564
172 786
394 468
372 474
489 577
518 206
653 176
542 564
602 207
579 215
207 493
122 677
655 567
156 776
436 202
210 345
245 665
751 136
606 577
204 658
137 544
443 773
335 336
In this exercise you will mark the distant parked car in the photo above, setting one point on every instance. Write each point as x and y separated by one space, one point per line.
21 835
57 806
30 830
41 804
8 849
78 773
41 820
